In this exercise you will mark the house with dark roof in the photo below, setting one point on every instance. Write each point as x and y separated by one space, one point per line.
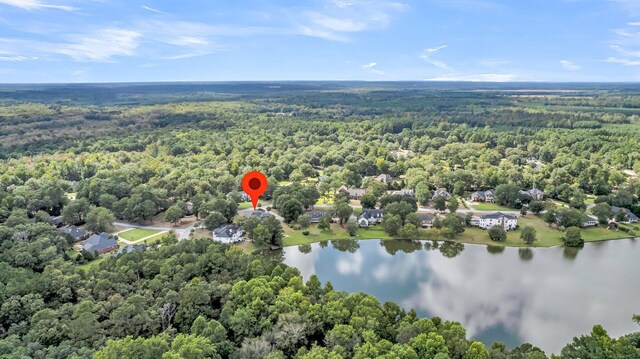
99 243
441 192
260 214
506 221
404 192
75 233
131 248
384 178
354 193
534 193
483 196
242 195
228 233
317 215
56 221
426 219
631 217
371 216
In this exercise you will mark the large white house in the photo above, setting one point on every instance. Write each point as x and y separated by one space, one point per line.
228 234
370 216
505 221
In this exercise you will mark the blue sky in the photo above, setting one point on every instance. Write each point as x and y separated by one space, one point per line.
216 40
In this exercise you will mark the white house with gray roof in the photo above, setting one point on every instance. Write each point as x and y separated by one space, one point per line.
370 216
228 233
631 218
506 221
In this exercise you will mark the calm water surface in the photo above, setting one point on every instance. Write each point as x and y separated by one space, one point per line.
544 296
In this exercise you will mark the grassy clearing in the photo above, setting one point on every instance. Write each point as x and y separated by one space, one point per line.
155 239
137 233
490 207
546 236
294 238
325 200
94 263
202 233
245 205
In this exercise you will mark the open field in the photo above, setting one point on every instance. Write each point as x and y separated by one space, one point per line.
94 263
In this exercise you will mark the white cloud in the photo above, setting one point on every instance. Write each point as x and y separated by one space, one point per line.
36 5
627 58
371 67
149 8
101 46
570 65
188 41
17 58
186 56
350 265
476 78
623 61
427 57
338 18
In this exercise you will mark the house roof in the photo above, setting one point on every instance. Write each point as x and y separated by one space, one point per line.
532 192
318 214
131 248
260 214
98 242
626 211
426 216
385 177
441 192
74 232
372 213
498 215
226 231
488 192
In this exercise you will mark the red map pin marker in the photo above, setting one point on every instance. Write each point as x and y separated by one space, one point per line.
254 184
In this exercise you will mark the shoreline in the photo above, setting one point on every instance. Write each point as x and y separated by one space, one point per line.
453 240
546 236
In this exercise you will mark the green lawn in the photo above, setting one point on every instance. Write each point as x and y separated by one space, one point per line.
294 238
137 233
490 207
155 239
245 205
94 263
325 200
546 236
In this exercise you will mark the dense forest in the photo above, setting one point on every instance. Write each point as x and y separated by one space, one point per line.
129 152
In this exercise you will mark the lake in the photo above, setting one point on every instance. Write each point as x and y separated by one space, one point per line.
544 296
